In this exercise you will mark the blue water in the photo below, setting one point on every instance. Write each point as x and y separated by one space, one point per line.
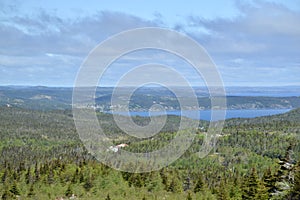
206 114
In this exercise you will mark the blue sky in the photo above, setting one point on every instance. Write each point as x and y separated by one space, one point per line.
253 43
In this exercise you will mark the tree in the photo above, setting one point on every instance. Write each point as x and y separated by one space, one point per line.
295 192
223 193
7 195
107 197
285 175
269 181
88 184
69 192
189 196
187 184
175 185
28 176
31 191
14 189
199 185
252 188
154 182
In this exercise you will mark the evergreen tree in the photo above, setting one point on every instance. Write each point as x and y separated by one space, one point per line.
7 195
107 197
284 175
14 189
88 184
199 185
28 176
269 181
223 192
69 192
31 191
189 196
250 185
4 176
175 185
165 178
187 184
295 193
154 182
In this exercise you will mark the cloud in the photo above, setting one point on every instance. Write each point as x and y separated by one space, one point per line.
46 33
266 29
264 40
254 47
56 45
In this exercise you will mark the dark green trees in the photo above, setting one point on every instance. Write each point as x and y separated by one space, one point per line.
252 187
269 181
295 192
175 185
199 185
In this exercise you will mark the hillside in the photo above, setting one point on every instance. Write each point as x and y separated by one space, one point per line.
42 157
50 98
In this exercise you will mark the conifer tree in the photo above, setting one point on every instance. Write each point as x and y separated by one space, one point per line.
284 176
14 189
199 184
175 185
269 181
295 192
107 197
69 192
223 192
31 191
250 185
189 196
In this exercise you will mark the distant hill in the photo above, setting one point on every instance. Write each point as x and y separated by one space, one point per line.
49 98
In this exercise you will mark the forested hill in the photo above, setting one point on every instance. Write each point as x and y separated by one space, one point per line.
43 158
281 121
53 98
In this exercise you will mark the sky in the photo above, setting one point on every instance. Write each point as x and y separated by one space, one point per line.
252 43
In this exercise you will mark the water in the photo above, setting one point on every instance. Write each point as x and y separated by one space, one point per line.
206 114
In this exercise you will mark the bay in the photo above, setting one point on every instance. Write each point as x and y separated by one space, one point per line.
206 114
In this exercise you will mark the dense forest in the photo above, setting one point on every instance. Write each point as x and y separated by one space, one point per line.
42 157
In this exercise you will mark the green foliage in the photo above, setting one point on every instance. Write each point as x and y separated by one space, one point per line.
42 158
295 192
175 185
107 197
199 185
223 192
252 188
189 196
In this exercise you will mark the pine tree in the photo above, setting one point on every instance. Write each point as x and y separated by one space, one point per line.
262 192
31 191
223 192
189 196
187 184
284 176
88 184
37 172
107 197
295 193
69 192
7 195
175 185
28 176
4 176
269 181
154 182
199 185
14 189
250 185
